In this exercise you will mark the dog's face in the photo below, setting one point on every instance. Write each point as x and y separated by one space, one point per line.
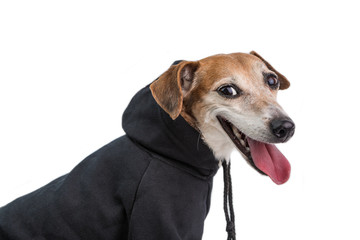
231 100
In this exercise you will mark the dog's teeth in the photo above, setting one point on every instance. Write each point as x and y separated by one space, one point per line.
242 142
236 132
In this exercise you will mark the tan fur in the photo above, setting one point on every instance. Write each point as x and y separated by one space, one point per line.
168 90
284 83
200 103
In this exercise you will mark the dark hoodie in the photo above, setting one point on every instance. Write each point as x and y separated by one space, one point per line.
154 183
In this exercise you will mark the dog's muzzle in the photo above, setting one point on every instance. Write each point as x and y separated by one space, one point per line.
264 157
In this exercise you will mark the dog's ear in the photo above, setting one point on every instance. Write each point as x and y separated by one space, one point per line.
284 83
170 88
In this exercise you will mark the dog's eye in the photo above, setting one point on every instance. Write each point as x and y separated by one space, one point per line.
229 91
272 81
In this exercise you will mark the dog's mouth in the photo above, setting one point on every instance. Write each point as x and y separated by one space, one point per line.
263 157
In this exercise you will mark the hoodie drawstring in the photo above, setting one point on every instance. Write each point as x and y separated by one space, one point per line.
228 203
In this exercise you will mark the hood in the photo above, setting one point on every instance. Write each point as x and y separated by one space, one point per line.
175 141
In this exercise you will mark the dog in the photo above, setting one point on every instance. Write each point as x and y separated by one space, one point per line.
155 181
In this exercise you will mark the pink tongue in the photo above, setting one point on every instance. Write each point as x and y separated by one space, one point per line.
270 160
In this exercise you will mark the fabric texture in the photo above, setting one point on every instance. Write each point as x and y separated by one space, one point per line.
154 183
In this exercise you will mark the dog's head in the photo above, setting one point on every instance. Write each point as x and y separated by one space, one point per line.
231 100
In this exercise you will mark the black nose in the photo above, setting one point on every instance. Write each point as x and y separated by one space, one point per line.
283 128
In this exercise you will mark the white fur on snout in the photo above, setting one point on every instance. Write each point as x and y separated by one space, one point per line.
253 123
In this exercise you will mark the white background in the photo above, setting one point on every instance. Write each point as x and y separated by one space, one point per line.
69 68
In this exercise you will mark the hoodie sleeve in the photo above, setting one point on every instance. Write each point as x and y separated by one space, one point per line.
170 205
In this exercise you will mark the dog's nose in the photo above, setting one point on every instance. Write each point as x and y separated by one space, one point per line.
283 128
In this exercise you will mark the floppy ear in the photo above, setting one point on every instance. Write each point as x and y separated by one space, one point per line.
284 83
168 90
